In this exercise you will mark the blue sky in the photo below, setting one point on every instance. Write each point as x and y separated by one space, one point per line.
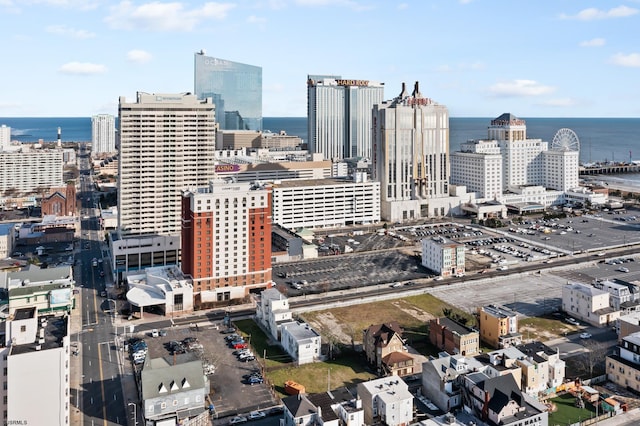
480 58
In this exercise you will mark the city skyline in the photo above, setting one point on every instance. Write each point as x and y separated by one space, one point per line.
544 59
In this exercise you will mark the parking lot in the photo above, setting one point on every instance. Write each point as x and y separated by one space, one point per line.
230 393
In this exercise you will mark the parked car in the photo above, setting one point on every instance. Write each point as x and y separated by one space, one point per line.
255 415
585 335
228 330
240 345
255 381
572 321
622 269
248 359
155 333
237 420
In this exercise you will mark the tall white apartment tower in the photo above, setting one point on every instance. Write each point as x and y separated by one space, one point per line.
167 145
5 137
339 115
103 133
411 155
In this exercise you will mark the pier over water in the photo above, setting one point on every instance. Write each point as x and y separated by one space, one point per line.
609 169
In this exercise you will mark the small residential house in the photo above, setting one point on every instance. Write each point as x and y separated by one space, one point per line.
453 337
300 341
440 379
173 392
499 401
386 401
498 326
589 304
272 311
381 340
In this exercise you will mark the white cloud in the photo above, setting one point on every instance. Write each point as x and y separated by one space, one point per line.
82 68
594 42
71 32
592 13
559 102
518 88
157 16
630 60
344 3
139 56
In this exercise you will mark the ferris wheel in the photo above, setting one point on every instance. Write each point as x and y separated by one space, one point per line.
565 140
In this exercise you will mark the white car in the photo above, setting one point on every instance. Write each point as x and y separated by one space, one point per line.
155 333
438 278
255 415
585 335
237 420
622 269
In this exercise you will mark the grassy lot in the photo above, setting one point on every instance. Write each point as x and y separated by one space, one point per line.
541 328
347 369
412 313
567 413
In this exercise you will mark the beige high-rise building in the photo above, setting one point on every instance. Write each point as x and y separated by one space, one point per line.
411 156
167 145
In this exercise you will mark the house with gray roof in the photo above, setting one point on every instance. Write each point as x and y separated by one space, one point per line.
173 390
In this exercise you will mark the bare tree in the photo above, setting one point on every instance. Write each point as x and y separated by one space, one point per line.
593 356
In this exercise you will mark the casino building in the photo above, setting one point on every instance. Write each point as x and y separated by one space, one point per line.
339 115
236 90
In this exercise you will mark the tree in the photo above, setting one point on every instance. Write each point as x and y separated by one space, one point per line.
593 356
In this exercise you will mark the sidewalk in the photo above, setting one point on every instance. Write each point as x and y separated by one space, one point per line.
75 363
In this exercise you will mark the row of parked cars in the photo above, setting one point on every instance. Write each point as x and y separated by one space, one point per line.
139 350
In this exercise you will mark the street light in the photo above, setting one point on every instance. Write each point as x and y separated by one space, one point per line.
135 417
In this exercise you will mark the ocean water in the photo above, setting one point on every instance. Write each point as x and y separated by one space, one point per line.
601 139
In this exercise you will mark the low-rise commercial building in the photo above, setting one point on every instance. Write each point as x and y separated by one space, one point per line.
174 391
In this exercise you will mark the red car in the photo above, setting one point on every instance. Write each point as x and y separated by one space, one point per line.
240 346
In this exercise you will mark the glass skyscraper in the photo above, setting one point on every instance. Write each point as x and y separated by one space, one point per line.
236 90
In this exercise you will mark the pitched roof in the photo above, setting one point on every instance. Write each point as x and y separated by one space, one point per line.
383 333
396 357
299 405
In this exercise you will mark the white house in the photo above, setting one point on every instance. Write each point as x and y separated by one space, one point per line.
273 310
300 341
386 400
588 304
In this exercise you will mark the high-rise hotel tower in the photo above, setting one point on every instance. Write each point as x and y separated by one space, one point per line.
236 90
103 133
226 239
167 145
411 155
339 115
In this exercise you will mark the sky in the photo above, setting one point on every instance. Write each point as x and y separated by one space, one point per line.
480 58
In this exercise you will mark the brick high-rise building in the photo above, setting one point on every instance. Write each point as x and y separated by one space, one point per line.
226 239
